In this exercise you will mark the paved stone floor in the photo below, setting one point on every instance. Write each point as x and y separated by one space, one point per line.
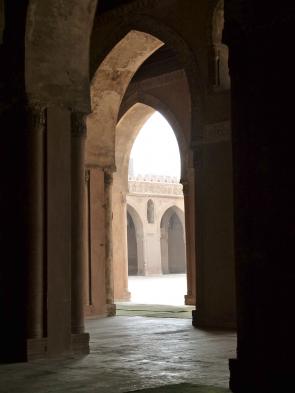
166 289
128 354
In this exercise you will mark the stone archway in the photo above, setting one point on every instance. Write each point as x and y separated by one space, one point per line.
132 247
108 87
139 238
173 254
126 132
127 129
121 53
181 127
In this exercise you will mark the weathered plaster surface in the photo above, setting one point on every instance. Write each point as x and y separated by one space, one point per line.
107 90
57 53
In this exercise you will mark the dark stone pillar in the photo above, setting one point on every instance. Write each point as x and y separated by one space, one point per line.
35 221
80 340
215 290
109 277
58 230
188 194
77 224
262 76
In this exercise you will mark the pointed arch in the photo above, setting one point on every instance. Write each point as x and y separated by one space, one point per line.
138 224
150 26
108 87
136 100
173 254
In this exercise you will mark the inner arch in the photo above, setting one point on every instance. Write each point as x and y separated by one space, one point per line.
107 90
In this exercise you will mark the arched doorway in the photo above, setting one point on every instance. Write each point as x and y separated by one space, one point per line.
109 85
176 246
173 253
112 69
138 191
132 247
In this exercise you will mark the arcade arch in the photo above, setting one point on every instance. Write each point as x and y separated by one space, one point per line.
111 73
57 82
127 130
112 70
173 253
135 241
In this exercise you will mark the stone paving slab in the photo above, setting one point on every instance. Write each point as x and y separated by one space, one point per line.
184 388
129 354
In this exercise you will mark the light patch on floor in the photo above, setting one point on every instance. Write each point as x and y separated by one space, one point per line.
168 289
153 310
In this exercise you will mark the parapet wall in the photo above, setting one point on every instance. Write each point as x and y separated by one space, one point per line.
155 185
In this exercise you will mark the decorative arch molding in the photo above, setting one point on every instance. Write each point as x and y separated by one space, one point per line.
57 64
108 87
156 28
127 130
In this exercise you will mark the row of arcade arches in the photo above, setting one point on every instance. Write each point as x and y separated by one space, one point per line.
172 242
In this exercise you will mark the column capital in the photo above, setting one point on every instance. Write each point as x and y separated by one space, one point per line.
108 175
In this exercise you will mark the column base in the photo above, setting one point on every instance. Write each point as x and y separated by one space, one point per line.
80 343
201 322
189 300
111 310
36 348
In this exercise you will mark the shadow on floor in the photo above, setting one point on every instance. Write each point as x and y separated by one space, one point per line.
184 388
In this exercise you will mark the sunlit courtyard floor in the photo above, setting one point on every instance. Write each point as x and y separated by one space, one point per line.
156 296
168 289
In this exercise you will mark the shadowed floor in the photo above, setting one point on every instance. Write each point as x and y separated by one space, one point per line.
184 388
129 354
